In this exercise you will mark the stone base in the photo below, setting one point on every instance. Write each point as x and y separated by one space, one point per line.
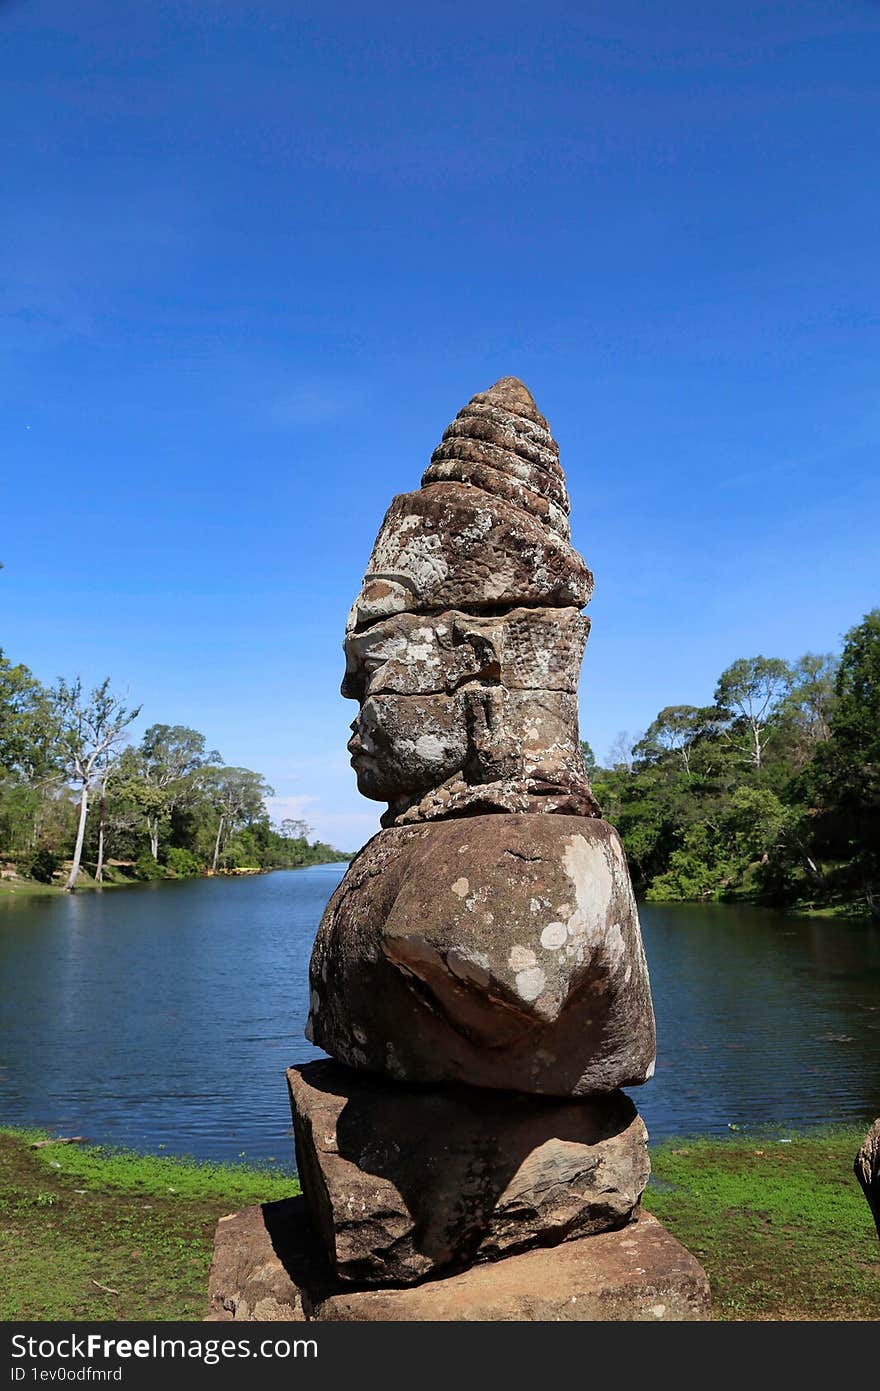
404 1181
267 1268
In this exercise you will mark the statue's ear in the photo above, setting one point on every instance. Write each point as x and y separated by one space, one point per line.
477 650
492 755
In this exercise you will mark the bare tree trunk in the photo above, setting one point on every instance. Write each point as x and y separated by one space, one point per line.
154 838
99 870
757 734
80 835
217 846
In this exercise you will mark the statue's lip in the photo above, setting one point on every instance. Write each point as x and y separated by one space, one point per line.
359 754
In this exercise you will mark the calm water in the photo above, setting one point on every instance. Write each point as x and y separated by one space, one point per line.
165 1015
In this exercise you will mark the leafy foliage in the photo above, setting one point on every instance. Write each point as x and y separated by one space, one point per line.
772 792
146 868
71 790
181 863
43 864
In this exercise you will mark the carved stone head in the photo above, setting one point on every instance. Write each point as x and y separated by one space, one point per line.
465 643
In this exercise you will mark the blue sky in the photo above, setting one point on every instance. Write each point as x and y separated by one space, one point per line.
255 257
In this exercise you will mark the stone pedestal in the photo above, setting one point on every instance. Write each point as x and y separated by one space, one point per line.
269 1267
404 1181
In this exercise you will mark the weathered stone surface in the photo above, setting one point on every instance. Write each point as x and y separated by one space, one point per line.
465 643
867 1171
470 710
401 1182
248 1279
450 545
452 465
483 748
639 1273
498 951
499 442
525 649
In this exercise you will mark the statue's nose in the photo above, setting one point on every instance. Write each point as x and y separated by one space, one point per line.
351 686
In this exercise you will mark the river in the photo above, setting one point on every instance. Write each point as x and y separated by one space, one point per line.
162 1017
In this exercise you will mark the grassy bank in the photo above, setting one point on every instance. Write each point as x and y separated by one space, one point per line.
30 888
33 888
779 1224
25 888
74 1219
781 1228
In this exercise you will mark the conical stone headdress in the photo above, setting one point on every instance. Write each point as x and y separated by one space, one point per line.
465 643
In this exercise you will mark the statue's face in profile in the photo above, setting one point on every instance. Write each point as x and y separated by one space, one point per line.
464 644
403 744
407 672
488 698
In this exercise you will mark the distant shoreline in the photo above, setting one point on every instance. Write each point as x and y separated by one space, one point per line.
21 887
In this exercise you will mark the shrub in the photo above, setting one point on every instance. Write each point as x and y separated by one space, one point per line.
42 864
181 863
146 867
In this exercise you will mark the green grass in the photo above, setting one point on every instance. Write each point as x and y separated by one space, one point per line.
74 1218
857 910
30 888
25 888
782 1229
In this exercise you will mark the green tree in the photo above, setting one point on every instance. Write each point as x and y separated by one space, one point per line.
171 758
91 727
698 868
673 734
292 828
747 695
237 796
805 713
28 726
845 777
29 762
120 809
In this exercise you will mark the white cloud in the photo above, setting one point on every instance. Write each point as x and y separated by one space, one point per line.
280 808
346 830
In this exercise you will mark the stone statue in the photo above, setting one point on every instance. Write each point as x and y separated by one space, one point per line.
478 976
488 935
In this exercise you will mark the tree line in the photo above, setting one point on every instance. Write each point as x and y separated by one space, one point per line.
771 793
75 793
